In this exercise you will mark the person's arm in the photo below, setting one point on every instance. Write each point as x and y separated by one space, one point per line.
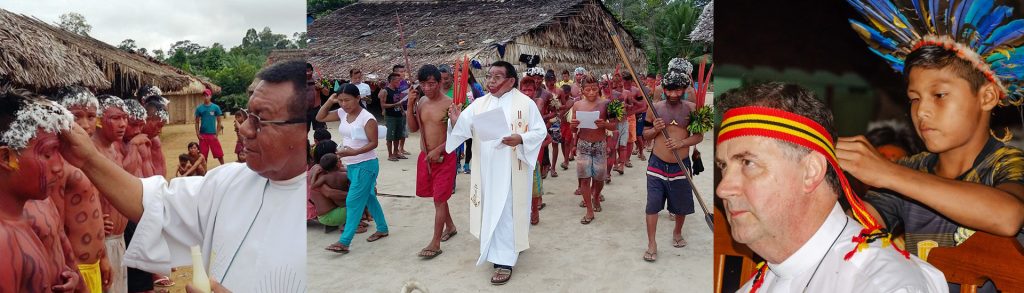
325 109
199 121
121 189
333 194
317 180
652 132
220 126
194 168
995 209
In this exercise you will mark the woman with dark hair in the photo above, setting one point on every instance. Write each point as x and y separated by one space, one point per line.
358 129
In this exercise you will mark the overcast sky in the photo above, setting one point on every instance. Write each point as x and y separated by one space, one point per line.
156 24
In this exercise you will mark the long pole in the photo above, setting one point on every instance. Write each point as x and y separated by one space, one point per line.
664 132
408 70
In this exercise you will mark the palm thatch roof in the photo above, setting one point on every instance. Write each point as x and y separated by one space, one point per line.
565 34
285 55
704 31
43 57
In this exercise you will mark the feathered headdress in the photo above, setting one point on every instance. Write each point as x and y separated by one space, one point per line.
34 113
979 31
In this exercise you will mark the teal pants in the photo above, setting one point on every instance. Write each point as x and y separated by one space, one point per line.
361 195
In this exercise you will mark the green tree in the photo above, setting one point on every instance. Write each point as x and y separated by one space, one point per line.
662 26
320 8
75 23
127 45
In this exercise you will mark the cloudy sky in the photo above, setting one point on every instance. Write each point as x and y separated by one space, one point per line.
156 24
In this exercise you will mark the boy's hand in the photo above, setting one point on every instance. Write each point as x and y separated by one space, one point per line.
673 144
70 279
434 156
600 123
858 157
659 124
106 278
574 123
108 225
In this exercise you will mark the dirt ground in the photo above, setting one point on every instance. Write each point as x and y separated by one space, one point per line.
565 256
175 139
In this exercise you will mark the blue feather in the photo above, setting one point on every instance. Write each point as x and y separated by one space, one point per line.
872 13
896 63
933 7
958 18
873 36
976 11
1006 33
993 20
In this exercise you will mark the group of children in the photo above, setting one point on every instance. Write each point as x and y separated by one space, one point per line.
61 233
597 152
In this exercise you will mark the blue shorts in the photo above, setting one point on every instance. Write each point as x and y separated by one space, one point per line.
666 183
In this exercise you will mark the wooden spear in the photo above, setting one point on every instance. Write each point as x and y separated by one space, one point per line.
664 132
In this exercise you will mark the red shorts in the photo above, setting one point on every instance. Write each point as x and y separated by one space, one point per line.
208 143
441 180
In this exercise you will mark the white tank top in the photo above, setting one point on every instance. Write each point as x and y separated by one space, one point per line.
354 136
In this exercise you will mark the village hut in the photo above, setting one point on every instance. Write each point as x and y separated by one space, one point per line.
42 57
565 34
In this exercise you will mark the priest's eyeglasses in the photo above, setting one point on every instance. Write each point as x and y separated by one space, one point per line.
259 122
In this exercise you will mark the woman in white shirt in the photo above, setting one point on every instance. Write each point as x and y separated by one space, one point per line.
358 130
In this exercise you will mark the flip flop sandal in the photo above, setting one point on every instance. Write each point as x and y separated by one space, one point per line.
375 237
565 166
445 237
338 248
393 159
597 209
578 192
629 165
554 174
650 256
586 221
583 204
542 205
501 276
434 254
679 243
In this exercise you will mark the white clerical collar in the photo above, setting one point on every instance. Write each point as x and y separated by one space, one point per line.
293 180
815 249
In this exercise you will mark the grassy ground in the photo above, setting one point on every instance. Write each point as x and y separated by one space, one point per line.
175 139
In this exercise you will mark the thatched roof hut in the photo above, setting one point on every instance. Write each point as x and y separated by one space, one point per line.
705 28
566 34
43 57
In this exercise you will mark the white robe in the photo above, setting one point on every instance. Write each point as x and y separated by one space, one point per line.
875 269
253 227
501 189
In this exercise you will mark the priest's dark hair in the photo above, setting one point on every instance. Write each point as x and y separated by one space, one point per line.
510 71
294 72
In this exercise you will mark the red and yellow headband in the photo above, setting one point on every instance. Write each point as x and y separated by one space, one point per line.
800 130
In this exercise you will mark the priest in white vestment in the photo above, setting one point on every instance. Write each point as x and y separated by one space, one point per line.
500 190
781 200
247 218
